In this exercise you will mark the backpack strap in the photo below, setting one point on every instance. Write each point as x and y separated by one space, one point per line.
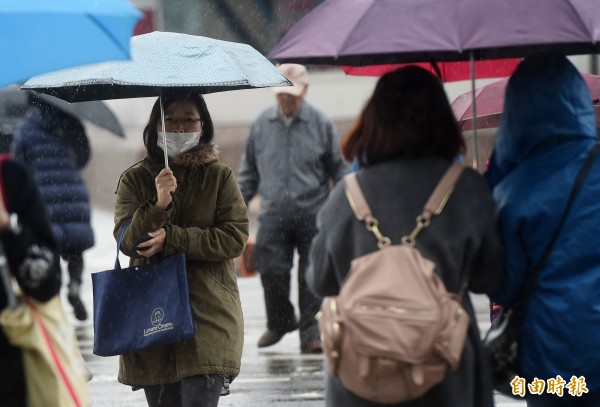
436 202
434 206
442 191
361 208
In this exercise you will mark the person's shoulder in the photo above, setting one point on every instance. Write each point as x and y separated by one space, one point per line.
313 113
266 114
220 172
138 167
473 176
473 186
218 166
137 170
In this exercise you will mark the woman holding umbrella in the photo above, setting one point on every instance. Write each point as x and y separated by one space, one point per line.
194 207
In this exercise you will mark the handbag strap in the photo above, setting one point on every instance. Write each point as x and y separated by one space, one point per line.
54 355
523 299
433 207
119 240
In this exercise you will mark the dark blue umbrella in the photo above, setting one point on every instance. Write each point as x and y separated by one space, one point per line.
39 36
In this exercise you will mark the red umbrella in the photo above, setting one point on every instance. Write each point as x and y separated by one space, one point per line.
489 101
449 71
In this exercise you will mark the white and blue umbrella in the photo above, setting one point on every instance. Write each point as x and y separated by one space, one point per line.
38 36
164 61
160 61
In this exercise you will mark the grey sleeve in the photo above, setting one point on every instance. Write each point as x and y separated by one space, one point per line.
320 275
248 174
336 167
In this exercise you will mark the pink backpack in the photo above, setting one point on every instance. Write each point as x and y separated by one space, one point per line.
393 331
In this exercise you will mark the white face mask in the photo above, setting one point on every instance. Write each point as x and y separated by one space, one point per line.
178 143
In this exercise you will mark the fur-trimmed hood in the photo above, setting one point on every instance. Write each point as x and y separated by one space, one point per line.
198 156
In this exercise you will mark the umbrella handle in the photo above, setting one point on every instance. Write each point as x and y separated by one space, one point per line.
162 118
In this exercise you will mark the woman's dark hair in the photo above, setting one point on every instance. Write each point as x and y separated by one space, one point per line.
407 116
151 134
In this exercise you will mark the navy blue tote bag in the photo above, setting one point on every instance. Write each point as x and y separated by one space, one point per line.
140 307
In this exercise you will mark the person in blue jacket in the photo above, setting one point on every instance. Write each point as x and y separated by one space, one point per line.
55 146
548 127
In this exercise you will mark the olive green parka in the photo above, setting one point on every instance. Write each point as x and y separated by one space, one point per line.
208 221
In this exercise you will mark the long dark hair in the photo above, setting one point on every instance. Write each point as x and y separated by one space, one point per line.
407 116
151 134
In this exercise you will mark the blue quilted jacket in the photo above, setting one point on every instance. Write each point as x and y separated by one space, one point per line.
547 129
55 146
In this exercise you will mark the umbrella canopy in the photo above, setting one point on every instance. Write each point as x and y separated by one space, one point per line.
14 105
164 60
490 103
448 71
38 36
367 32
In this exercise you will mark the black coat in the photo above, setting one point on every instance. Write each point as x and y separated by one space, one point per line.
24 200
462 239
55 146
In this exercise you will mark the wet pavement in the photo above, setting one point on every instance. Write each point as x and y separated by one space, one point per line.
275 376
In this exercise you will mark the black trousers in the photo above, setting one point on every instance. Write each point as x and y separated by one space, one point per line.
193 391
74 259
276 240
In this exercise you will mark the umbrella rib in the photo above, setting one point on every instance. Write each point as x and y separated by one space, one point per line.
583 24
109 35
346 40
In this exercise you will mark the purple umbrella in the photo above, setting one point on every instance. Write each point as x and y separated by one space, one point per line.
367 32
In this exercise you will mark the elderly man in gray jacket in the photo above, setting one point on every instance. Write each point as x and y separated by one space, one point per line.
291 155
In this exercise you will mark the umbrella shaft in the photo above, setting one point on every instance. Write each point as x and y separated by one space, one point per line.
474 109
162 118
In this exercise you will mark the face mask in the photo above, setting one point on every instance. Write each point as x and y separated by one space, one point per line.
178 143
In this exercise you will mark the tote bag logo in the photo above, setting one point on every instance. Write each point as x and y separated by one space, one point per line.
157 318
